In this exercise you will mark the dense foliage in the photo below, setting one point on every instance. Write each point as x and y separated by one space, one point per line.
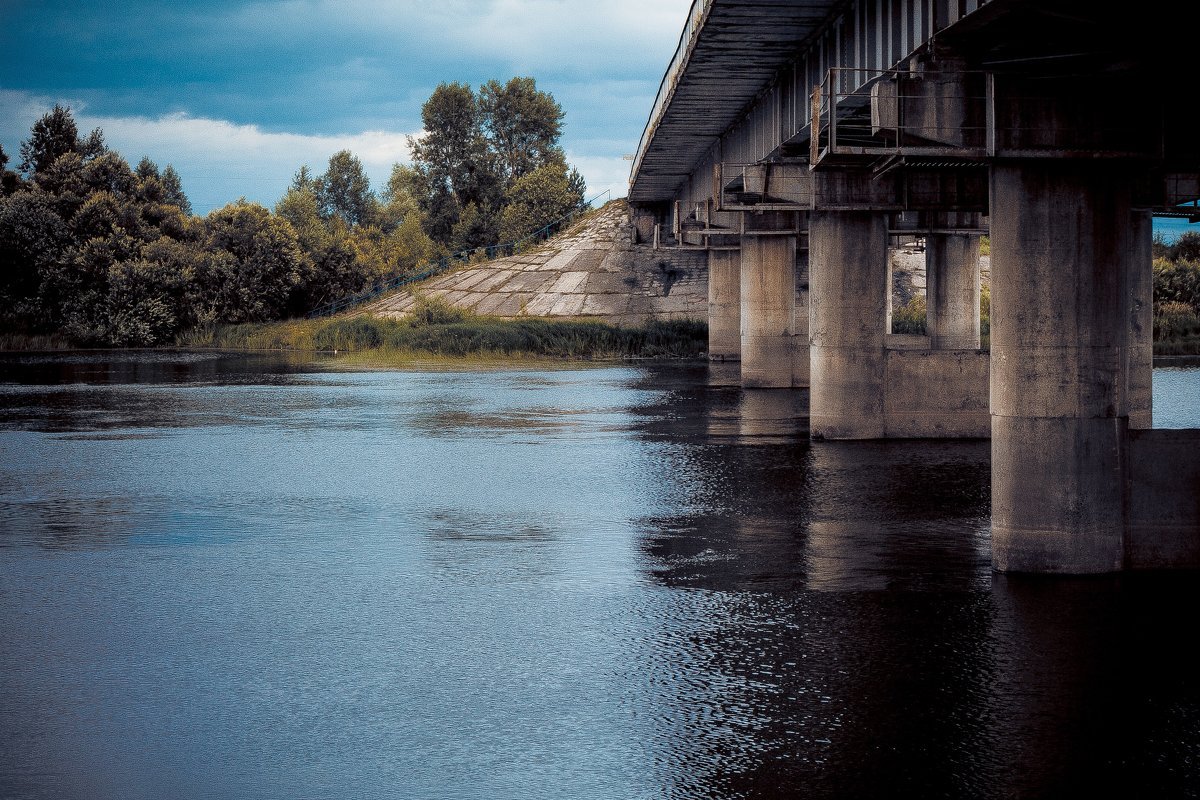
1177 295
103 253
488 168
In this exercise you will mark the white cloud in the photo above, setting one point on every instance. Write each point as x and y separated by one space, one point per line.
602 172
219 161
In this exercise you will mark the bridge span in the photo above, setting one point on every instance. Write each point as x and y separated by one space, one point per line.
792 140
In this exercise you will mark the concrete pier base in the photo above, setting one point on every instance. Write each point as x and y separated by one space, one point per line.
1060 312
952 293
724 305
847 317
768 310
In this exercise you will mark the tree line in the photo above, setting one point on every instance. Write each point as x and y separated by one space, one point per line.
108 254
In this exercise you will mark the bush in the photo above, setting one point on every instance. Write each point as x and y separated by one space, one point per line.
355 333
910 317
1177 282
1186 247
435 311
1175 320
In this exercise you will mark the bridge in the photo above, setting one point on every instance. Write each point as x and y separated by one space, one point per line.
793 140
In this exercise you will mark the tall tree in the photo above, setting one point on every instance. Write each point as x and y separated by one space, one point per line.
446 156
345 191
447 150
173 190
522 126
55 135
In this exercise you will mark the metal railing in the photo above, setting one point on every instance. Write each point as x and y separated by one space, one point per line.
961 115
762 187
897 112
666 87
445 263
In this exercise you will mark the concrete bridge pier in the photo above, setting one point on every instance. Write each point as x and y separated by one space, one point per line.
769 340
848 301
1061 244
724 305
1140 381
952 291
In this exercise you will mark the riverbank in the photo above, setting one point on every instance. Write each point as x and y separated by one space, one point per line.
454 334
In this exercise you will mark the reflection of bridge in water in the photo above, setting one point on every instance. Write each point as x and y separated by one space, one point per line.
793 140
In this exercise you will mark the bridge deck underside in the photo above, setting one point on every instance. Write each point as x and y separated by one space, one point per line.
739 51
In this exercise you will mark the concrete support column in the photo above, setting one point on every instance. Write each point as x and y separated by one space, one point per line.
1140 377
1060 317
848 299
952 290
768 316
800 366
724 305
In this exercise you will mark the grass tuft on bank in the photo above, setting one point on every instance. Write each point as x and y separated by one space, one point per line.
439 329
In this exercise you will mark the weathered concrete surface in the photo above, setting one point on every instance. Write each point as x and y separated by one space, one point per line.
953 290
909 275
724 305
768 315
938 394
1164 499
593 270
1140 352
1060 250
847 319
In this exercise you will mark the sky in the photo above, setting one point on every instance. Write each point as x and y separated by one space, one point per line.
237 95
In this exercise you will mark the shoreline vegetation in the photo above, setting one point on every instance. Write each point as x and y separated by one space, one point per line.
435 330
439 330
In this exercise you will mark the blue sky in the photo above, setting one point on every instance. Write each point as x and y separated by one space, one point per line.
237 95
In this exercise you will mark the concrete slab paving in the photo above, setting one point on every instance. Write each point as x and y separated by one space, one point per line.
592 270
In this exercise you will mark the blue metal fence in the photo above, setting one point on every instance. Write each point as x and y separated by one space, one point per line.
385 285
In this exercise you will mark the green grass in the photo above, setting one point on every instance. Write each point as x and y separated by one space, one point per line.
458 335
31 342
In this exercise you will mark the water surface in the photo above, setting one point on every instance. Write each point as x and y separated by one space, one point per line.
254 577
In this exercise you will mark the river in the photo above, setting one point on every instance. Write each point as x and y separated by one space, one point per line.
261 577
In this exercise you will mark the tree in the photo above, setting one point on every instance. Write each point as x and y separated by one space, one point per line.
146 168
34 241
522 126
445 157
446 152
475 150
173 190
543 196
345 191
399 198
55 135
264 264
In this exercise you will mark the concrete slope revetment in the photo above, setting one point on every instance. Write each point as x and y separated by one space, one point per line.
593 270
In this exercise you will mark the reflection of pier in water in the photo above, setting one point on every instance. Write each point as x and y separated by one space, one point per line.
848 633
